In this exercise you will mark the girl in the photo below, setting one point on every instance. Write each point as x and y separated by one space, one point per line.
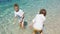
38 21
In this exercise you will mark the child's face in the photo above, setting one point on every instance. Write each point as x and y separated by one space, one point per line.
44 13
16 8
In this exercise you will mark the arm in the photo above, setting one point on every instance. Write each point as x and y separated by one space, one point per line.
22 18
32 23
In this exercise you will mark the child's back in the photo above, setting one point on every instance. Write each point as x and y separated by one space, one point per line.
38 21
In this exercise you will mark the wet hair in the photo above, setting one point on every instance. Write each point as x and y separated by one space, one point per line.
16 5
43 11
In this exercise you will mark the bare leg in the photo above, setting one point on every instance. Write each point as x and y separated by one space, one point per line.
34 32
41 32
22 25
22 21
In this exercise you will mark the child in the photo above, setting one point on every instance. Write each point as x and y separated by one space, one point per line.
38 21
19 14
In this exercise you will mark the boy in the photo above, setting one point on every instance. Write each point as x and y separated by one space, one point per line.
38 21
19 14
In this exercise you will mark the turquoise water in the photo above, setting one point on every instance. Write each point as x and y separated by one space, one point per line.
31 8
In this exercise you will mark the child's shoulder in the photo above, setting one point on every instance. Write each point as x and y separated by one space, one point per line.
37 14
20 10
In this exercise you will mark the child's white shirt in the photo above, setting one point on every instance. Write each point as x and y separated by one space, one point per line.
38 21
19 14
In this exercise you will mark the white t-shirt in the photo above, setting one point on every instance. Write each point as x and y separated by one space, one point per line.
19 14
38 21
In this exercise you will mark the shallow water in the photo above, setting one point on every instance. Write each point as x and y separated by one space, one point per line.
31 8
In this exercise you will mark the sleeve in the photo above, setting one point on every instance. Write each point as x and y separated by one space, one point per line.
44 18
34 20
22 15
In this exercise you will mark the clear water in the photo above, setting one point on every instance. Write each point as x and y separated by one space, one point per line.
31 8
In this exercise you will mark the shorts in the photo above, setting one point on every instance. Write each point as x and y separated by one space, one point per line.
37 31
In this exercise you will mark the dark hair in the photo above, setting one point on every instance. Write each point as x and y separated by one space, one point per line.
43 11
16 5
